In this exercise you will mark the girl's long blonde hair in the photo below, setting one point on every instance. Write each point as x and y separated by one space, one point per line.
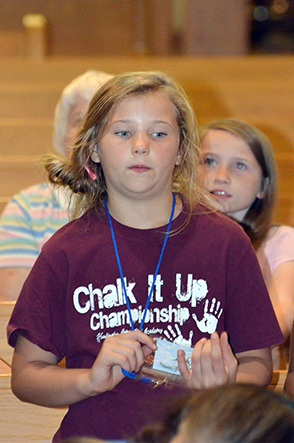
73 173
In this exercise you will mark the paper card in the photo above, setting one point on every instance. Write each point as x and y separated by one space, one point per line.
165 358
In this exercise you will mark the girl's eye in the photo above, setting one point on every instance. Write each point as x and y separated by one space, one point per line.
240 165
159 134
123 133
208 161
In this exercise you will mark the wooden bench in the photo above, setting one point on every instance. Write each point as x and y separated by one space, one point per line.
23 422
258 89
25 136
18 173
278 381
6 351
28 102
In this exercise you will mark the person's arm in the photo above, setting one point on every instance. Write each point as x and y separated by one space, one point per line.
37 379
18 247
255 367
12 280
280 283
281 290
289 383
214 364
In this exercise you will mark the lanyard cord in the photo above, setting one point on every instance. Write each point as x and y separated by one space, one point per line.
157 268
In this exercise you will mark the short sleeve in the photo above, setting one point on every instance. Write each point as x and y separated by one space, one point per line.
279 248
39 312
27 222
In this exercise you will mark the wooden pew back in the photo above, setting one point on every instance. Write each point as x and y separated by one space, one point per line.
258 89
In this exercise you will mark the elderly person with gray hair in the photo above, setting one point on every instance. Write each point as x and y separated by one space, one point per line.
34 214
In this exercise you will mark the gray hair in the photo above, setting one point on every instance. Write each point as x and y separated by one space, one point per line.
79 90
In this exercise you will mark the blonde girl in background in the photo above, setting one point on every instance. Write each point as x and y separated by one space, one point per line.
238 169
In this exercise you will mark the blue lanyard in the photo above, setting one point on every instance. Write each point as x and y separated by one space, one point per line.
157 268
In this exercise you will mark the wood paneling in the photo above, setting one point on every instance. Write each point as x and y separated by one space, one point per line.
93 28
259 90
216 27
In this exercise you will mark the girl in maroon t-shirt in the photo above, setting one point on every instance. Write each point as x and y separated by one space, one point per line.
135 161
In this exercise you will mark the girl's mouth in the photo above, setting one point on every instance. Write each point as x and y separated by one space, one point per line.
139 168
220 193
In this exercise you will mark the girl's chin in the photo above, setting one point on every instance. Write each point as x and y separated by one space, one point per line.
221 207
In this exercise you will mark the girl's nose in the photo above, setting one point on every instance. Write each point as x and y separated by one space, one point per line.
140 145
222 175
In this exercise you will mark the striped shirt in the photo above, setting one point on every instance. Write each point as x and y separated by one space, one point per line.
28 221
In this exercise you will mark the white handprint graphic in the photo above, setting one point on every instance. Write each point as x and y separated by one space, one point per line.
179 339
200 291
210 319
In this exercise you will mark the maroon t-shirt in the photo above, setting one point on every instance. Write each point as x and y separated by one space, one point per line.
209 279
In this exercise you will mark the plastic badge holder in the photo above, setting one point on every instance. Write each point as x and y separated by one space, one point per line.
162 365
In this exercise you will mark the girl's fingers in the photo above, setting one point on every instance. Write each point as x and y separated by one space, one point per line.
127 355
127 351
213 363
198 354
231 362
191 376
218 362
182 365
144 339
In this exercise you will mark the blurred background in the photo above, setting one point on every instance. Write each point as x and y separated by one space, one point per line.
154 27
234 58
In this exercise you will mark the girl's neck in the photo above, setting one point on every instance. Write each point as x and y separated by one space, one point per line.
143 214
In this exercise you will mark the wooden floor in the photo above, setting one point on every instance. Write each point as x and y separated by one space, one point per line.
259 89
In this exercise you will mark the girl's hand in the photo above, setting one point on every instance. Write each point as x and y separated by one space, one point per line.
213 363
36 377
127 351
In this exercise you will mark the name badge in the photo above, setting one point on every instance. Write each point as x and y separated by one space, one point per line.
162 365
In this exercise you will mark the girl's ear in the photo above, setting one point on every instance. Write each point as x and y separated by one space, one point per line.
95 156
179 157
264 187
